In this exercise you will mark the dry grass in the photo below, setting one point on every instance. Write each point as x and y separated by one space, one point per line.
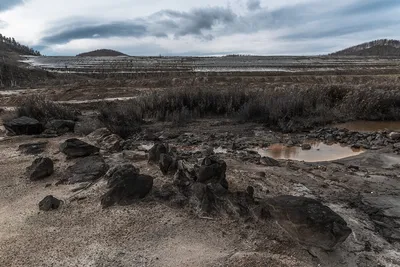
292 108
44 110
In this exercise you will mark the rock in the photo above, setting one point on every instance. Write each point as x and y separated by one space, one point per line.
394 135
125 188
40 168
209 151
77 148
98 134
270 162
201 198
87 124
134 155
60 126
49 203
305 146
156 151
111 143
24 125
308 221
166 192
33 148
86 170
168 164
117 173
212 170
185 176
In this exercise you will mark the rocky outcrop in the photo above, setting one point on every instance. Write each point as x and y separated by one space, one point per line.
49 203
116 173
168 164
74 148
308 221
32 148
212 170
126 185
86 170
394 136
40 168
24 125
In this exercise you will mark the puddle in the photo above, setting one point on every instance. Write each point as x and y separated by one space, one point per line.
370 126
318 152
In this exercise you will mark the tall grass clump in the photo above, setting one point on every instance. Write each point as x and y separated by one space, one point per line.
45 110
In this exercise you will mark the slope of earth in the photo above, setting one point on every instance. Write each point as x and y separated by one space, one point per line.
386 48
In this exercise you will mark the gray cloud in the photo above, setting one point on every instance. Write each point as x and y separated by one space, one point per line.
7 4
253 5
308 21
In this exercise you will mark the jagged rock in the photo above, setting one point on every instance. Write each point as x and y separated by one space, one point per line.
61 126
212 170
184 176
156 151
86 170
126 187
98 134
40 168
33 148
77 148
201 198
134 155
49 203
305 146
24 125
111 143
394 135
166 192
308 221
270 162
118 172
168 164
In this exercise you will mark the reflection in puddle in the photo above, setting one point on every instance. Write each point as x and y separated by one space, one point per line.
370 126
318 152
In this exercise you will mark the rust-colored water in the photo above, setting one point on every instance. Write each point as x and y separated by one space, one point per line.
318 152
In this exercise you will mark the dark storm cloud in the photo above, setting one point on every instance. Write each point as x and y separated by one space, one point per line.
7 4
160 24
253 5
72 32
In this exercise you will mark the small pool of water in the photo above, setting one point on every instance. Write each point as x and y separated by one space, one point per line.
370 126
318 152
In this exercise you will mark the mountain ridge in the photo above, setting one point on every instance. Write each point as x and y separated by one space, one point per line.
381 47
101 53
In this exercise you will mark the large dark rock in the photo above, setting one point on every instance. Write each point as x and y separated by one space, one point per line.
168 164
116 173
212 170
125 187
308 221
156 151
49 203
33 148
24 125
60 126
270 162
106 140
40 168
86 170
77 148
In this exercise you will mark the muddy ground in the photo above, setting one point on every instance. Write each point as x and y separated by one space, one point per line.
152 232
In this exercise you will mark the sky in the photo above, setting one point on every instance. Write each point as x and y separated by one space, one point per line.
207 27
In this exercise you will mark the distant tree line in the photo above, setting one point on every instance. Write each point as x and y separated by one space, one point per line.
17 47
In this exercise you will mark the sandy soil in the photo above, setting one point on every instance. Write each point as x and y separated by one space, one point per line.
153 233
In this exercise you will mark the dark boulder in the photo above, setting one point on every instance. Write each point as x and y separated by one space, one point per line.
168 164
33 148
60 126
156 151
40 168
77 148
24 125
49 203
308 221
305 146
212 170
86 170
126 187
116 173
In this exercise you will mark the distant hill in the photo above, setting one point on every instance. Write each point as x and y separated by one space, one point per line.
102 53
381 47
9 45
